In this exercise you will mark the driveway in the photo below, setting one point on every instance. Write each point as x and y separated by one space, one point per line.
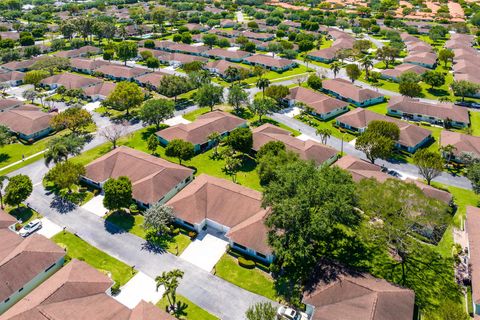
49 229
140 287
176 120
205 251
95 206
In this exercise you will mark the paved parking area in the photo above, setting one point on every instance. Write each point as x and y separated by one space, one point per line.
49 229
95 206
205 251
140 287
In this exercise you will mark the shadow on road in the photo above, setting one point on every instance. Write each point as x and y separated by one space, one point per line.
62 205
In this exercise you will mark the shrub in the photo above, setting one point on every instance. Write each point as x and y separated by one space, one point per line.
246 263
175 232
115 290
192 234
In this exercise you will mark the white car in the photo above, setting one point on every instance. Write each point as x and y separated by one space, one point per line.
286 313
30 228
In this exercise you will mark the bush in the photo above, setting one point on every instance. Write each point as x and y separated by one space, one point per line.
246 263
115 290
192 234
175 231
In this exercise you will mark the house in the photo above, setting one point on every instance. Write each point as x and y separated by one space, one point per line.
150 80
462 143
232 209
69 81
178 59
24 262
361 169
158 44
80 52
412 137
153 179
275 64
395 73
324 107
220 67
197 132
234 56
99 91
78 291
423 59
9 103
351 295
227 23
22 66
121 73
347 91
196 27
187 49
326 55
27 122
438 113
10 35
472 227
307 150
87 66
12 78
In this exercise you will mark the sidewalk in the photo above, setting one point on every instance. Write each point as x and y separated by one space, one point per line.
20 161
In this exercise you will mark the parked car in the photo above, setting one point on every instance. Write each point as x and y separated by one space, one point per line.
286 313
30 228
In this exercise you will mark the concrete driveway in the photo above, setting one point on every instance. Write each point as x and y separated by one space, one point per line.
95 206
205 251
176 120
49 229
140 287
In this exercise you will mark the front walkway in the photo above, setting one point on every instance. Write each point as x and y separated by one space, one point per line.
49 229
205 251
95 206
140 287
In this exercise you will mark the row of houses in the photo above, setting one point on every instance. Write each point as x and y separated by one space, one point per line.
342 40
466 61
419 52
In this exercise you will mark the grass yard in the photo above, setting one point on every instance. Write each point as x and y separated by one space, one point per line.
188 310
134 225
329 124
23 213
79 249
380 108
276 76
193 115
11 153
475 122
253 280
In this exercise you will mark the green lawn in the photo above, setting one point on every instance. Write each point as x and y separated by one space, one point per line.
276 76
475 122
193 115
11 153
134 224
253 280
188 309
329 124
23 213
79 249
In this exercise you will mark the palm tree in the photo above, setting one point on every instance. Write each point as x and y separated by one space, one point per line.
324 134
262 84
366 63
232 73
307 60
214 137
2 180
448 152
335 67
169 280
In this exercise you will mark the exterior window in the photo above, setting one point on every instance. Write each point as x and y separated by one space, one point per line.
261 255
188 224
20 290
53 265
6 300
239 246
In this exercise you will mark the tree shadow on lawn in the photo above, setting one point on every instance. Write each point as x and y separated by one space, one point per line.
4 157
23 213
157 243
119 222
438 92
152 130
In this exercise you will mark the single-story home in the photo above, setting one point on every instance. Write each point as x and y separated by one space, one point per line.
197 132
187 49
12 78
121 73
151 80
234 56
227 207
395 73
24 262
275 64
438 113
99 91
78 290
69 81
307 150
87 66
220 67
326 55
178 59
153 179
9 103
259 35
23 65
80 52
325 107
28 122
462 143
423 59
347 91
412 137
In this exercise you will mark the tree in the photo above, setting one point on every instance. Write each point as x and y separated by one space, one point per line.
232 165
215 138
261 311
172 86
169 280
126 50
409 84
262 84
232 73
366 63
448 152
378 140
158 217
353 72
237 96
210 39
324 134
75 119
277 93
118 193
152 63
362 46
65 174
152 143
155 111
108 54
262 106
180 149
35 76
434 78
464 88
240 139
429 163
387 54
193 66
59 148
125 96
335 67
2 185
314 82
114 132
209 95
473 174
446 55
5 135
310 207
19 188
51 64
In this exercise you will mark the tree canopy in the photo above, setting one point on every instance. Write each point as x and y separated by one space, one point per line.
118 193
